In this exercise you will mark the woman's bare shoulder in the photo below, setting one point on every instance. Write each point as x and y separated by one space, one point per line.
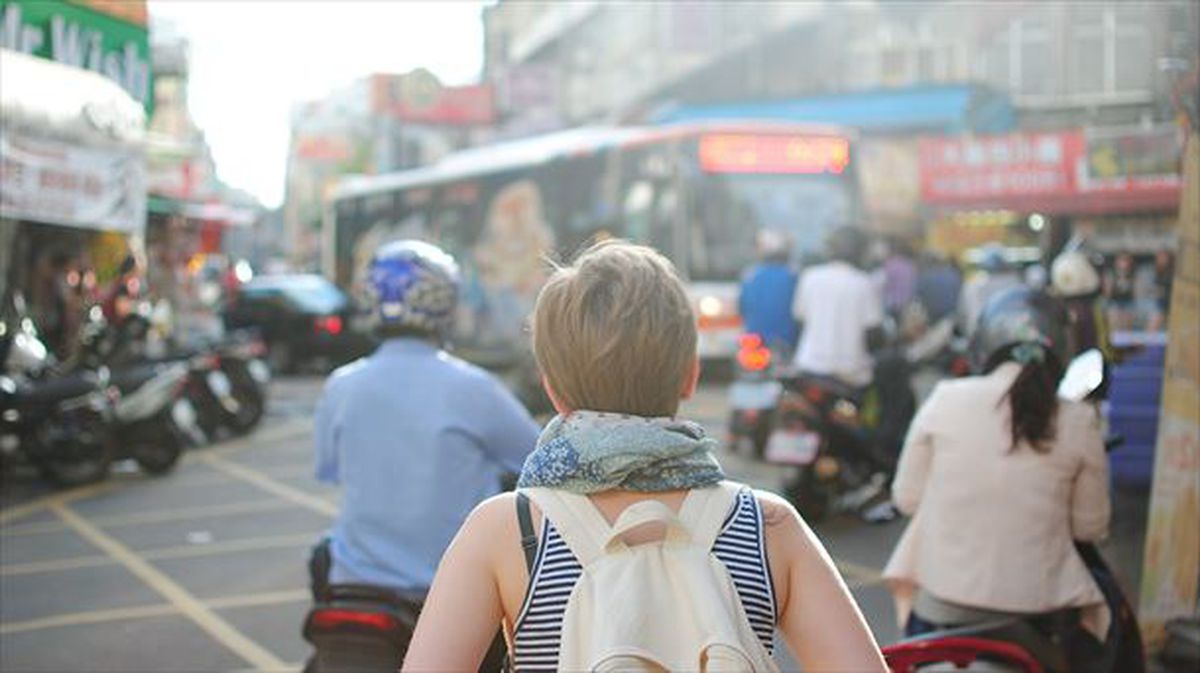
776 510
493 517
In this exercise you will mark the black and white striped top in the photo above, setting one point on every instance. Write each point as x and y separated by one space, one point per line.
740 546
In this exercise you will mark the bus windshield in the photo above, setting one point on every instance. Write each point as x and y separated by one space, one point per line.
733 207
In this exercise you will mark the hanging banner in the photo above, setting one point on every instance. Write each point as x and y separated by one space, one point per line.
56 183
1169 576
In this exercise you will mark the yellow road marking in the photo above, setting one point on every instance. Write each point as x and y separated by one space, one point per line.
164 553
91 617
230 547
36 505
297 427
147 611
204 617
303 498
159 516
258 600
55 565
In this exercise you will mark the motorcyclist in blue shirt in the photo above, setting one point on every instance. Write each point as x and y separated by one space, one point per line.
765 299
414 436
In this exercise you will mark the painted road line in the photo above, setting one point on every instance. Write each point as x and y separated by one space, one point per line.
150 611
313 502
55 565
231 546
38 504
296 427
158 516
165 553
191 607
91 617
259 600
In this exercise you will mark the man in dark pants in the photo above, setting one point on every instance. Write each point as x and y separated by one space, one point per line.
415 437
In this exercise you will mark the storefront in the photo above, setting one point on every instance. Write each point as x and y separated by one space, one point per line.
1116 188
72 187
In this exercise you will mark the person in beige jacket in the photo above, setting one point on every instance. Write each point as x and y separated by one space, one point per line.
1000 477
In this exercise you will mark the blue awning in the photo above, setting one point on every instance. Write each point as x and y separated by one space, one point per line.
940 109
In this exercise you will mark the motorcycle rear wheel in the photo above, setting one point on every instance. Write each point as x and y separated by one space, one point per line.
67 472
251 404
809 494
158 458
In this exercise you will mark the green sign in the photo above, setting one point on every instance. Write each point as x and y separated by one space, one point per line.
81 37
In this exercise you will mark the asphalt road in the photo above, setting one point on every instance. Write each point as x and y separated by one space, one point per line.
204 569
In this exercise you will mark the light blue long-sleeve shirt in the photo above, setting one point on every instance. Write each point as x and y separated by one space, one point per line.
416 438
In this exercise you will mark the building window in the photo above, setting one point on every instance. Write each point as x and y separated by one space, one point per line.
1020 59
1111 50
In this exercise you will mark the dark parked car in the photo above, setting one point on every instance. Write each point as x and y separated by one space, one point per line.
303 319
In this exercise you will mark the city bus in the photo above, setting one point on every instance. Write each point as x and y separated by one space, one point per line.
696 192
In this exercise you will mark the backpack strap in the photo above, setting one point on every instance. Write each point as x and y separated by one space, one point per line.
589 535
529 541
705 510
576 519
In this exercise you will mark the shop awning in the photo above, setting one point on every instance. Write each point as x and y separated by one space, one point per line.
938 109
50 101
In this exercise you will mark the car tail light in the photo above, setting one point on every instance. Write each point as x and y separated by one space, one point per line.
752 355
334 619
330 324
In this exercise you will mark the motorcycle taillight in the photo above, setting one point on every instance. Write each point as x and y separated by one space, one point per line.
333 619
752 355
330 324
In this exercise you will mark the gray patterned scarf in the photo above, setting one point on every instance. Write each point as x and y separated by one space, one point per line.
590 451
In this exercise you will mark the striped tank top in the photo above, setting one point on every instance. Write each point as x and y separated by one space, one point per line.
740 547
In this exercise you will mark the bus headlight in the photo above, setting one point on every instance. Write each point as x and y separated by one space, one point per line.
710 307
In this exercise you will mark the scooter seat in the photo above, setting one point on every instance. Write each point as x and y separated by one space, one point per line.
60 388
1013 630
132 378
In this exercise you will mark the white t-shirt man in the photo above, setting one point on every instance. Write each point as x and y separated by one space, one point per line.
837 303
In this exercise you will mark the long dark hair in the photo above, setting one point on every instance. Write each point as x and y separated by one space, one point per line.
1033 396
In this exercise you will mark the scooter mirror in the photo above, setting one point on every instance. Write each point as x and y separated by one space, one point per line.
1084 375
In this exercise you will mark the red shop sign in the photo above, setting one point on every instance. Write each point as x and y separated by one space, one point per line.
997 169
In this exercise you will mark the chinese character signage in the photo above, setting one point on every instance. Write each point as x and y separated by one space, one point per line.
984 167
1097 170
53 182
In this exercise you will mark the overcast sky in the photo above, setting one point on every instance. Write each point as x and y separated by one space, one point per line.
250 61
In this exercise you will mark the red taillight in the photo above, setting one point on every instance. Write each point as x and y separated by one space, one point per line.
330 324
752 355
814 394
333 619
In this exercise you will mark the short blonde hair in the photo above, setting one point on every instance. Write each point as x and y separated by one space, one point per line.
615 331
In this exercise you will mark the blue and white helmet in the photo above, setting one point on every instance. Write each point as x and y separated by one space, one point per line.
414 285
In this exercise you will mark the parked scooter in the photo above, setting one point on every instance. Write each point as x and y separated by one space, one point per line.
154 419
228 386
60 424
1014 644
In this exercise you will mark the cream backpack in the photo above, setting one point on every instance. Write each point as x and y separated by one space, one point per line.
665 605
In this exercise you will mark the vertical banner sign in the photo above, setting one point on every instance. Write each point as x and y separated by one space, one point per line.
1172 564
